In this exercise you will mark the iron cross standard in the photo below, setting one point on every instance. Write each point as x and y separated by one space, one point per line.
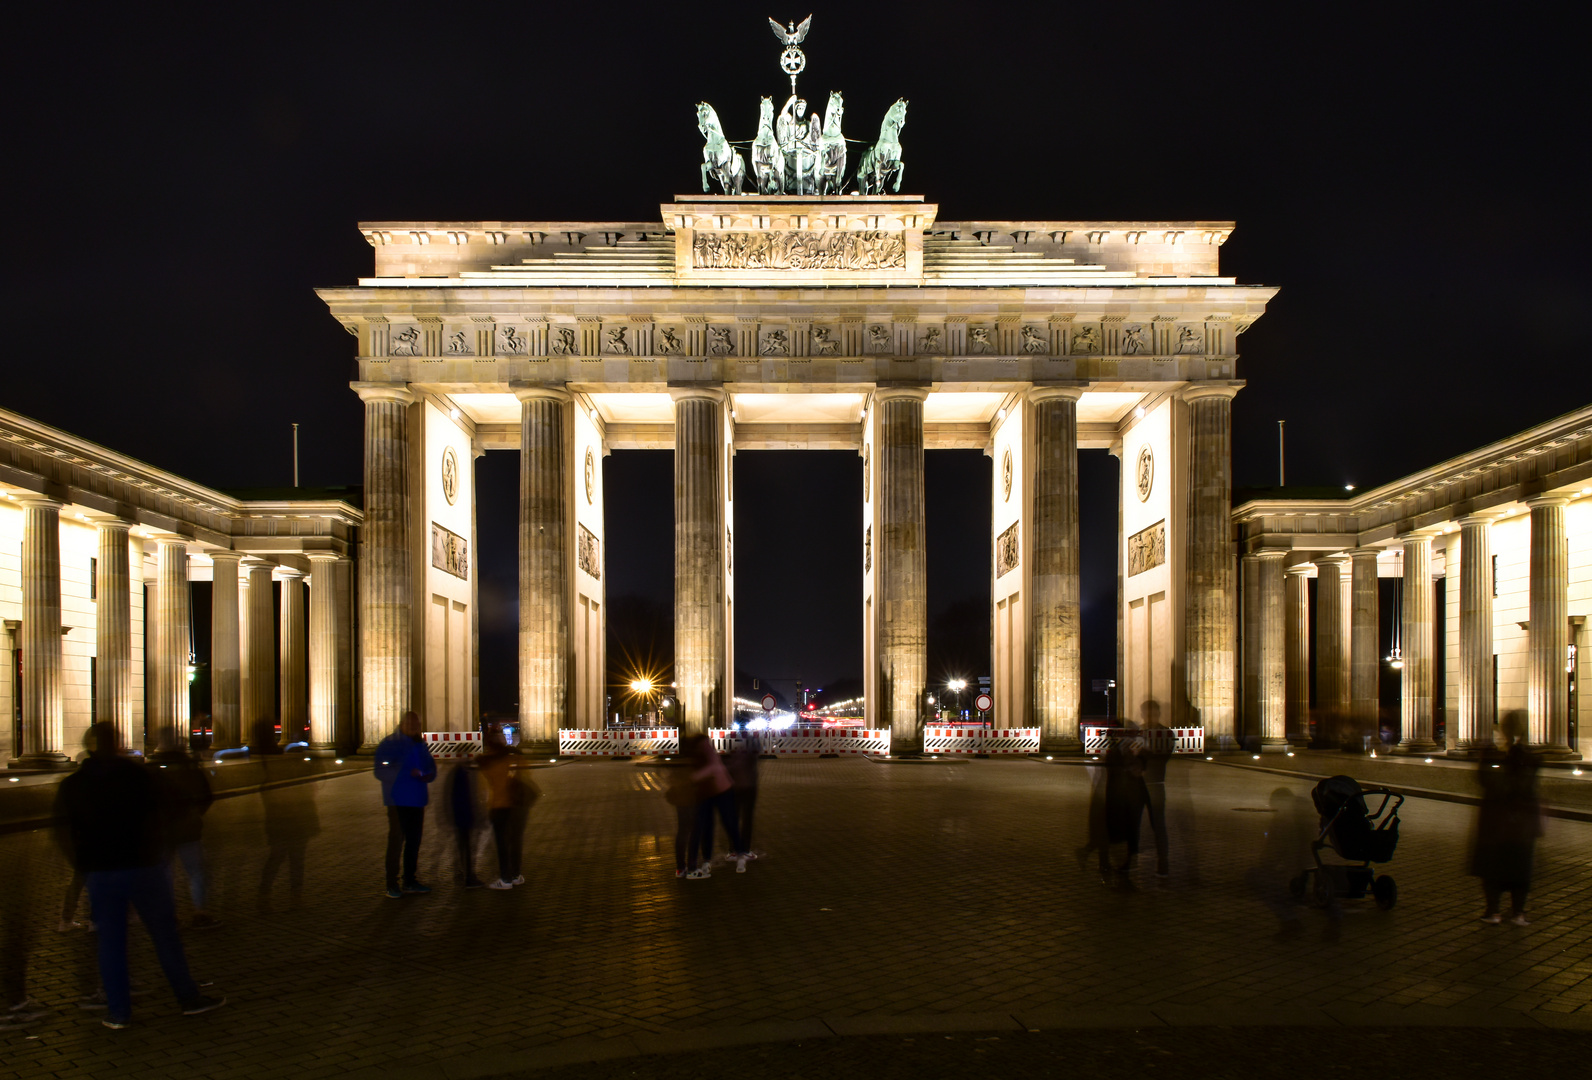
792 61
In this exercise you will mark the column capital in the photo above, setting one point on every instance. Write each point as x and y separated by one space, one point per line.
223 555
527 391
35 501
1548 500
1471 520
1340 559
900 393
1201 391
323 556
1362 553
1054 393
289 573
254 562
697 393
372 391
1419 536
1303 569
1266 553
110 521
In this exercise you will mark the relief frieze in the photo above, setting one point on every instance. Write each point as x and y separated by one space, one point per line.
779 250
1147 549
1006 551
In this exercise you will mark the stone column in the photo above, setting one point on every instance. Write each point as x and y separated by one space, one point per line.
699 645
245 689
546 588
1332 640
1365 663
261 659
1273 655
1547 640
113 629
1296 665
293 698
899 545
1209 620
1476 702
1252 628
323 652
1415 635
42 706
172 640
385 585
225 652
1055 608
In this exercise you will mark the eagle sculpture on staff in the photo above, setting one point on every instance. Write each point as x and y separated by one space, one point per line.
792 36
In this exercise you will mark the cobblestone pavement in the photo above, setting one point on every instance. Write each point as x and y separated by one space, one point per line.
894 898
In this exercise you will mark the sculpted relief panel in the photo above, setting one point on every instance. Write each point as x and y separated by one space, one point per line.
779 250
1147 549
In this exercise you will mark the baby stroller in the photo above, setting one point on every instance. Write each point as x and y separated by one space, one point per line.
1357 834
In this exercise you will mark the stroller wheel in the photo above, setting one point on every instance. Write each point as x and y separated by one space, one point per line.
1297 885
1323 891
1385 891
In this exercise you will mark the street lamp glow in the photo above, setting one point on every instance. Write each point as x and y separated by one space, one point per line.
642 686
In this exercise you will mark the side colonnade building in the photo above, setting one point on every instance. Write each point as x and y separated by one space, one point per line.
1493 554
747 322
97 553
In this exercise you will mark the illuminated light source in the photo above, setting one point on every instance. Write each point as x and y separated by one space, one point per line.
554 760
1047 757
1139 412
1573 772
1348 487
1290 753
1209 758
339 761
1001 415
306 759
453 413
14 779
1257 757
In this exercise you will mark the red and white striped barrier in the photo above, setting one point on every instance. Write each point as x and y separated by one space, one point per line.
1188 740
448 745
573 742
808 741
980 740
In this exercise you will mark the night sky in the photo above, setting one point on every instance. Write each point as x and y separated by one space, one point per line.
183 176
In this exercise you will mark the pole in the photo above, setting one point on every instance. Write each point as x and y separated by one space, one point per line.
295 455
1281 482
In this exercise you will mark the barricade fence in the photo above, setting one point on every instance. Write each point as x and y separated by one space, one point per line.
1097 740
574 742
938 739
805 741
450 745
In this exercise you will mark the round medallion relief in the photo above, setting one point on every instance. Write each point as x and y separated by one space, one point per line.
450 474
1146 472
591 476
1006 475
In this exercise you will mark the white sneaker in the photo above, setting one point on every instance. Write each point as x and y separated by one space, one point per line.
703 871
518 880
499 885
749 855
740 864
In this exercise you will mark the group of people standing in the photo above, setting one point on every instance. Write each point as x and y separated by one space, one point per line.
706 785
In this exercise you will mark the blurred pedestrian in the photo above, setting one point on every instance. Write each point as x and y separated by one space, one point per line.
187 795
509 798
109 816
713 794
1099 845
1159 743
682 795
742 763
404 767
463 802
1126 797
1508 821
291 818
17 927
1277 876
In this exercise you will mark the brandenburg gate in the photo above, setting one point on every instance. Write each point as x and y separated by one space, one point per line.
798 317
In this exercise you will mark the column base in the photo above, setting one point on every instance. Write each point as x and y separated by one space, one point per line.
1557 753
1274 746
51 762
1415 746
1061 746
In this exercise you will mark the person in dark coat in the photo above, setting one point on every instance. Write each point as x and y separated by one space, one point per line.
188 797
291 818
404 768
109 823
742 762
1508 822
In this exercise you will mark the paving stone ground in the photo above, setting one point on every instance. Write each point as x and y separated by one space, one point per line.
894 899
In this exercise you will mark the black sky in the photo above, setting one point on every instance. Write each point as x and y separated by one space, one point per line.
182 176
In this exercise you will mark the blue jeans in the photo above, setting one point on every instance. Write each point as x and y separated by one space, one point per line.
192 857
148 890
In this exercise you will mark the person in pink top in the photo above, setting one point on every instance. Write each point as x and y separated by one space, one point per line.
712 782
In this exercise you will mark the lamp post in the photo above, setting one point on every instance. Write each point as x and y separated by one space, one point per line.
643 688
957 686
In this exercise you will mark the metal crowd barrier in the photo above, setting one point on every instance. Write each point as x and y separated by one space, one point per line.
448 745
942 739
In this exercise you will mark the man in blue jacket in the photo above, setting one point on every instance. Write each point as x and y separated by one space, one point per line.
404 767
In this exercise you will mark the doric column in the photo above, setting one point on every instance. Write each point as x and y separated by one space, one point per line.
1296 665
1364 663
323 651
1547 640
1332 637
113 629
225 653
1209 618
545 571
294 695
42 707
261 657
1273 658
1251 629
1476 702
699 645
172 645
1415 637
1053 541
385 585
899 545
